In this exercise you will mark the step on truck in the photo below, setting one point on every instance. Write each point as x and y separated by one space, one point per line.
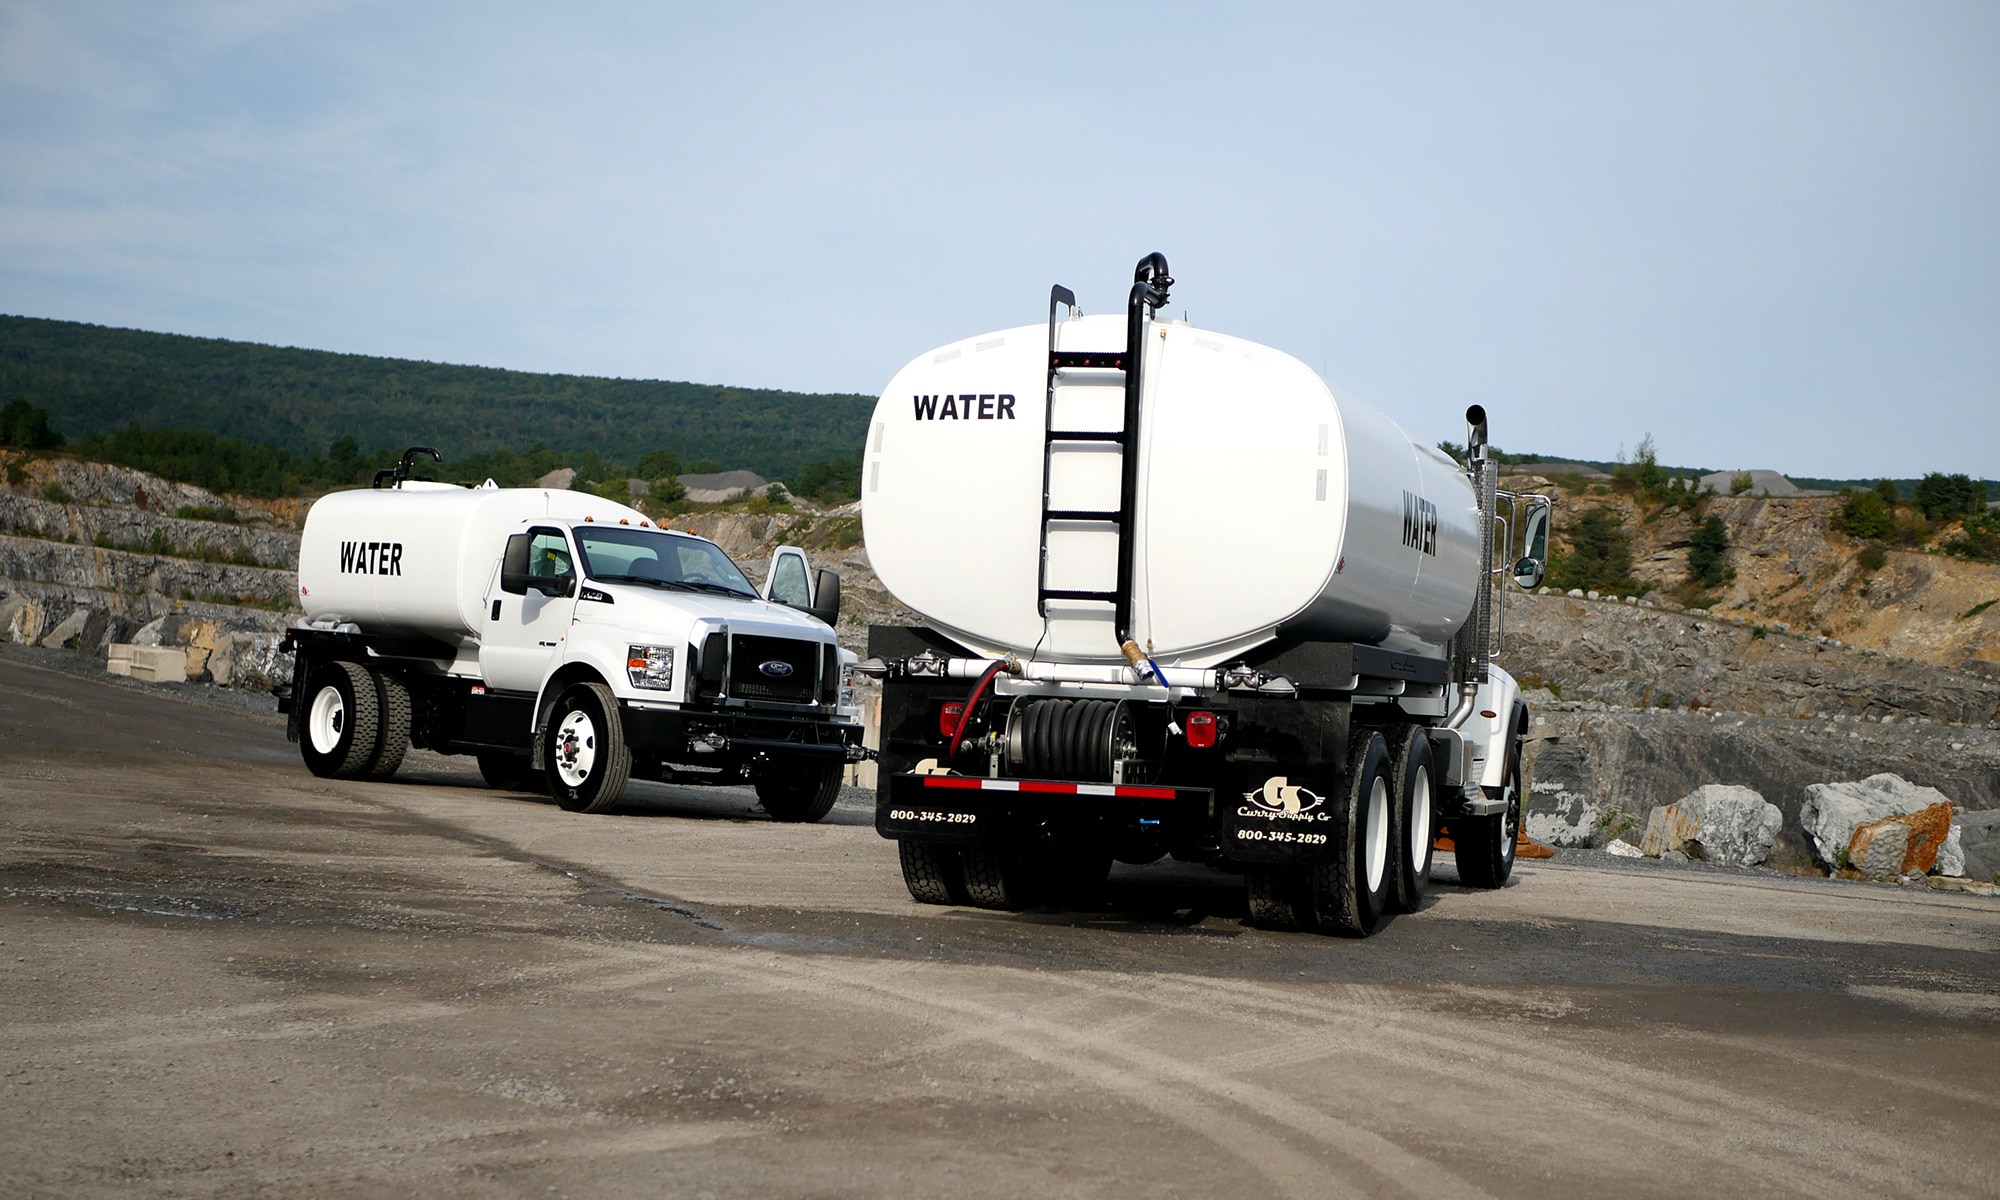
567 642
1182 598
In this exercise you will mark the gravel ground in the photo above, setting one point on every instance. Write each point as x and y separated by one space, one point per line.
221 976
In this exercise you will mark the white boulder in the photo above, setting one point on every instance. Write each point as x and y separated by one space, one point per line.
1951 855
1721 822
1833 811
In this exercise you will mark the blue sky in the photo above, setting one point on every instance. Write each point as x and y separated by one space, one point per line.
1769 234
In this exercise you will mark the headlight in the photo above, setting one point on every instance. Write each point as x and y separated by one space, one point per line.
650 667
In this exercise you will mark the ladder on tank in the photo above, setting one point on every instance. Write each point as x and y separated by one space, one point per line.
1103 368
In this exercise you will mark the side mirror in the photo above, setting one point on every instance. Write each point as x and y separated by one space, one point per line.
1534 559
514 578
826 597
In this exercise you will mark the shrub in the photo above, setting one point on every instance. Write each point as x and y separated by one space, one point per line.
1873 558
1741 483
223 515
1980 539
1865 515
56 492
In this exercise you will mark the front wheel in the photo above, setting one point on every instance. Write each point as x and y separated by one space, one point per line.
583 745
799 791
1484 846
342 727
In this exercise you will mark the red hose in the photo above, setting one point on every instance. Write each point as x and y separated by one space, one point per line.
971 706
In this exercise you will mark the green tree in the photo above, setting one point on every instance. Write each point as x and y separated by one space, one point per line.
26 427
1706 563
1948 497
1600 557
655 463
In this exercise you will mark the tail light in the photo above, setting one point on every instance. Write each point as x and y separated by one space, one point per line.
1200 730
949 718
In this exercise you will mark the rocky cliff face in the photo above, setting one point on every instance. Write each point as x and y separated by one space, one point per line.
1640 657
1793 566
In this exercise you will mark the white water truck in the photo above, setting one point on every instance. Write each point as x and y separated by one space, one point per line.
567 642
1184 599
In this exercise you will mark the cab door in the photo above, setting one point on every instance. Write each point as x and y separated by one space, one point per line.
789 581
529 610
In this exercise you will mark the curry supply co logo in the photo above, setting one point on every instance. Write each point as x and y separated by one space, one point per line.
968 407
1278 801
371 558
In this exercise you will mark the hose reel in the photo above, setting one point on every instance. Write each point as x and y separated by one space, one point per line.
1068 739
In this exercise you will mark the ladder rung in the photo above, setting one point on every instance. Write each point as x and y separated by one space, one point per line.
1104 360
1087 435
1107 597
1084 514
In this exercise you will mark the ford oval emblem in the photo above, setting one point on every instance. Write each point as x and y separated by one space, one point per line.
776 669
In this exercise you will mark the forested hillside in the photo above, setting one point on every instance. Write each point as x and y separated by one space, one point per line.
93 378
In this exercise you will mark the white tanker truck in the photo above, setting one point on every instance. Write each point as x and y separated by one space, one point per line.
564 640
1184 599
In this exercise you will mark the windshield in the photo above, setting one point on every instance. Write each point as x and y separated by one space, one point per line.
662 559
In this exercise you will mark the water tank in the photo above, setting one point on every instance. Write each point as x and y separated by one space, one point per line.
422 558
1267 505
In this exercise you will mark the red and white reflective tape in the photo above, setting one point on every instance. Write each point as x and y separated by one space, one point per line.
1123 791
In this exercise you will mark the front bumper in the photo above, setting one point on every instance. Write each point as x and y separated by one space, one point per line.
720 739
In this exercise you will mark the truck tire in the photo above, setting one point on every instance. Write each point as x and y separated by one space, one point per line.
1352 892
995 877
583 744
1280 897
508 772
1410 827
342 725
1485 845
392 702
932 872
799 790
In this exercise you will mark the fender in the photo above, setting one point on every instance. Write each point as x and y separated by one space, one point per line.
562 677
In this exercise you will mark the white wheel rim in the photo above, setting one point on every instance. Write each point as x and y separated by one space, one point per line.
1420 819
327 721
1375 839
576 748
1508 830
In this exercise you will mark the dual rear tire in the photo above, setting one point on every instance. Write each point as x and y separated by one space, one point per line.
1381 835
355 722
1008 873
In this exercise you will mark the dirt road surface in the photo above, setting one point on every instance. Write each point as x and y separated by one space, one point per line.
223 977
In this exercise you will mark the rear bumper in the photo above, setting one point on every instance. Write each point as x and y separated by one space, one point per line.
964 808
